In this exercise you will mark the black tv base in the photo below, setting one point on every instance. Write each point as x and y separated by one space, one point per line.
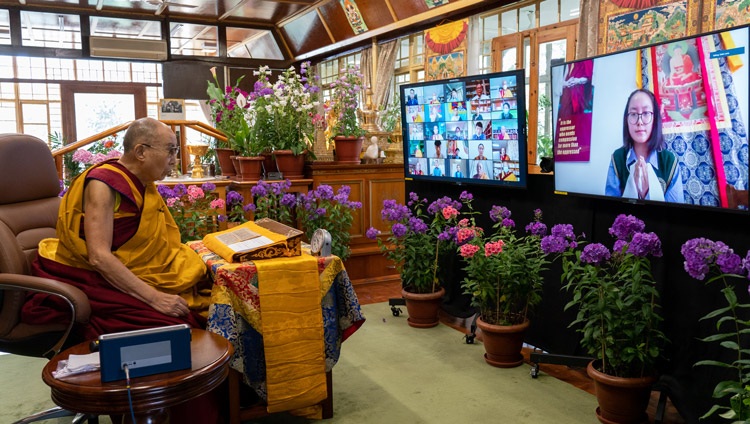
398 301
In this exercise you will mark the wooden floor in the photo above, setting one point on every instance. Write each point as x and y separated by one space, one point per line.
382 292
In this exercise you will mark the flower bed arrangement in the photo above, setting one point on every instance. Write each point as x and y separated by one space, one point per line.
728 271
194 209
321 208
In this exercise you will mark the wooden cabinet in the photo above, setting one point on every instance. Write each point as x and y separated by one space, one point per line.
370 184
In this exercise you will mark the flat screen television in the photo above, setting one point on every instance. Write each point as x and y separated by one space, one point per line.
606 135
469 130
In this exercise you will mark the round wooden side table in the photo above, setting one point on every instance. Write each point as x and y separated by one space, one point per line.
152 395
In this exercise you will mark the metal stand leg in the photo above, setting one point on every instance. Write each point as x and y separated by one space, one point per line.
394 302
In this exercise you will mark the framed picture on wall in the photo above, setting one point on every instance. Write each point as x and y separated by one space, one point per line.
172 109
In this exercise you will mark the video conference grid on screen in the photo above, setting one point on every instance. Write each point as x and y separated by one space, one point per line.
464 129
700 86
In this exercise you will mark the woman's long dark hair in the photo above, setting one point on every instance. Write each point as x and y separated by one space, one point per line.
656 141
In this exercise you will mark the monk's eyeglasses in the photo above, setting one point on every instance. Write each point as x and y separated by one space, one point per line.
171 151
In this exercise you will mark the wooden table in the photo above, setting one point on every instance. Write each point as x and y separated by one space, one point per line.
152 395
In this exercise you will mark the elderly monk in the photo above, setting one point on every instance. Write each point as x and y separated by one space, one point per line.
119 244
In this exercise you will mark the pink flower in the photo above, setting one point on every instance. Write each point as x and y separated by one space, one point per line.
449 212
195 192
172 201
468 250
465 234
493 248
217 204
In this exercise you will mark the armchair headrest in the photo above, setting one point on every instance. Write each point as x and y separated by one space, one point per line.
27 169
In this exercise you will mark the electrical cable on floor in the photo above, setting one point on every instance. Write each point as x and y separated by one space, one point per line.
127 385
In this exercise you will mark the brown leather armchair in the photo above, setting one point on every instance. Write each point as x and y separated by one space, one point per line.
29 201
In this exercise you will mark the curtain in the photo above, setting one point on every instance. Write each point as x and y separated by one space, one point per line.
381 95
588 29
365 66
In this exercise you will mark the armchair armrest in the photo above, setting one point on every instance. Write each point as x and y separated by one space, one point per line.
76 299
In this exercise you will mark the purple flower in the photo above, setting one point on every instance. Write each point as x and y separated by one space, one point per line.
417 225
438 205
619 245
234 198
508 223
537 214
288 200
398 230
729 263
564 231
324 192
697 253
465 196
537 228
164 191
595 253
260 190
746 265
372 233
625 226
553 244
498 213
208 187
644 244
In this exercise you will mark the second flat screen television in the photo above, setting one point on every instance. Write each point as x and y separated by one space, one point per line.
685 136
469 130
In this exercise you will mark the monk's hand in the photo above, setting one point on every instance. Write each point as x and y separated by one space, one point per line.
641 177
171 304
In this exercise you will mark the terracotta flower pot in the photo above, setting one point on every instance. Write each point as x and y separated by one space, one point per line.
290 165
423 308
250 167
348 149
503 343
621 400
225 161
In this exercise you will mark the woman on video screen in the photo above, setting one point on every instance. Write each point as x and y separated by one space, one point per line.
642 168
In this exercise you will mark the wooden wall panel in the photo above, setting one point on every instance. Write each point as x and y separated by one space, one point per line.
335 18
370 184
376 13
408 8
305 34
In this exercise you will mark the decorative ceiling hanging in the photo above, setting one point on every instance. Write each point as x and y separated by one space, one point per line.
445 38
635 4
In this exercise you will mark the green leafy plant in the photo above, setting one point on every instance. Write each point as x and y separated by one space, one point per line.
228 107
321 208
345 92
420 236
704 257
390 117
194 209
503 269
615 295
271 200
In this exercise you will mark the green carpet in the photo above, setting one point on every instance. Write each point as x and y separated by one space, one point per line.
388 373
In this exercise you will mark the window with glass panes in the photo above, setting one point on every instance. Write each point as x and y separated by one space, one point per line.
330 69
409 66
35 107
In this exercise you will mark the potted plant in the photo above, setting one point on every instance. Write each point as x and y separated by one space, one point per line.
704 257
618 314
228 107
420 237
322 208
271 200
503 276
344 128
282 117
195 209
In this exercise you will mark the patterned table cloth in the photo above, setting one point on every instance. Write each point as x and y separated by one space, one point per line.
235 311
